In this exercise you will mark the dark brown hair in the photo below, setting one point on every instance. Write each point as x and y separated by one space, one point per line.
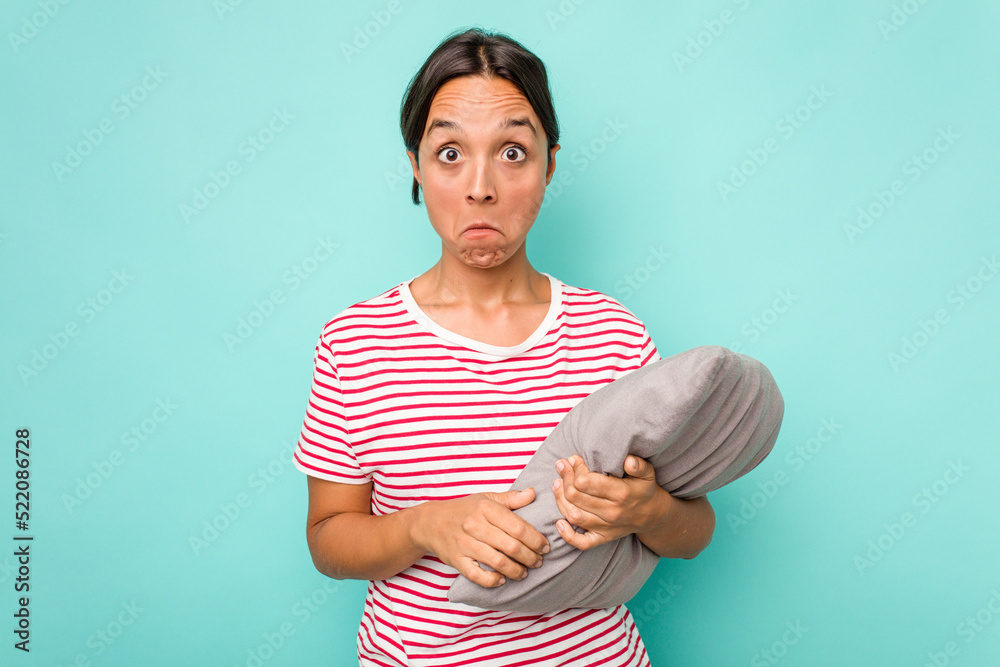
475 52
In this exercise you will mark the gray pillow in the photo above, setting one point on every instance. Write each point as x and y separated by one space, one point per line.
702 418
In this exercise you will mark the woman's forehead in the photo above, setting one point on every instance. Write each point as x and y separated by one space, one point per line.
472 96
492 106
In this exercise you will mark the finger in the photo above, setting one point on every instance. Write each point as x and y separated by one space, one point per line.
582 541
511 535
601 496
469 568
641 468
575 512
513 499
505 554
574 467
579 465
594 484
517 528
571 472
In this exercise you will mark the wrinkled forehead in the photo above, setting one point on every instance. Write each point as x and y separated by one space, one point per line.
490 106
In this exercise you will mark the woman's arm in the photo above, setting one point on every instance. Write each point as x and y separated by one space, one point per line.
684 528
347 542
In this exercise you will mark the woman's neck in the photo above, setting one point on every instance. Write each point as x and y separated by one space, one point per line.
451 282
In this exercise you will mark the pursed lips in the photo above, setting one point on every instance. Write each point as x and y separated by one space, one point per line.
480 226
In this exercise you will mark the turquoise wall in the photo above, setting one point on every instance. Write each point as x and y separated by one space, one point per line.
191 189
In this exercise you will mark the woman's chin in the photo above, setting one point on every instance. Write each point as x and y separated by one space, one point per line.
483 258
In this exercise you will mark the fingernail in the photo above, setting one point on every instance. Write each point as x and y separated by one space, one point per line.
502 581
523 575
560 465
556 484
537 563
545 549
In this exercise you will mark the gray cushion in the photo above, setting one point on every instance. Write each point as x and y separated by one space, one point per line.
702 418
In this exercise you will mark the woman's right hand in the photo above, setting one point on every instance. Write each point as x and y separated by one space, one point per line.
481 528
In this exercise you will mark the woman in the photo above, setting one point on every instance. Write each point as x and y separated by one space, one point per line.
428 399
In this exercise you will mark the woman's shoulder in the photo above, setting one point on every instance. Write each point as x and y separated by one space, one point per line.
587 301
365 313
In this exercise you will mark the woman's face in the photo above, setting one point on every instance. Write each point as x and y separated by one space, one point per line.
482 162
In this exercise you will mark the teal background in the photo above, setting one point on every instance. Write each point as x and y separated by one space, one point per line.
805 553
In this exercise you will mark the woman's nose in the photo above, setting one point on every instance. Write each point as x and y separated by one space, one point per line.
481 181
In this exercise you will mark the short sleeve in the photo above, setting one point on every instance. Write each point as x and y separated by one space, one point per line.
647 349
324 449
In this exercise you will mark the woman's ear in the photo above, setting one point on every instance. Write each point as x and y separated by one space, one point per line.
414 166
552 164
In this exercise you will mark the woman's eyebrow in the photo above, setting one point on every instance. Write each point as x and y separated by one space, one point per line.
440 123
517 122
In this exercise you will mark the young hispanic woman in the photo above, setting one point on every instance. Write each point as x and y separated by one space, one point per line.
428 399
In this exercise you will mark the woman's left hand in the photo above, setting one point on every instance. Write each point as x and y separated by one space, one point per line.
605 506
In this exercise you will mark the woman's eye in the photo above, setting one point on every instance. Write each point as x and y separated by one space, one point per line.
511 153
449 154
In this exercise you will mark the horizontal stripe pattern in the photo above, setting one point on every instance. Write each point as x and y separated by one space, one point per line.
426 414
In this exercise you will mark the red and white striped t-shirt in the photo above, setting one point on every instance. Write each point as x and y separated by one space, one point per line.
426 414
